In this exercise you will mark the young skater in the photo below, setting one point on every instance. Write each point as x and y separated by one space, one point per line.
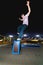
24 25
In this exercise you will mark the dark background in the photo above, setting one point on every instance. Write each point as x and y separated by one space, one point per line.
10 12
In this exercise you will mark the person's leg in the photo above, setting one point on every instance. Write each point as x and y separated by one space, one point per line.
22 31
19 29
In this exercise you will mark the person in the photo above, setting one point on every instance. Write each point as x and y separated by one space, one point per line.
24 25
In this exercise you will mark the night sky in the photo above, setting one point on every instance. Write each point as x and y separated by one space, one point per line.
11 11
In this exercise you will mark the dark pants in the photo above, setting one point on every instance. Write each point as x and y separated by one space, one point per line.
21 29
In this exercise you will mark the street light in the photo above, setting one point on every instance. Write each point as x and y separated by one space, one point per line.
37 35
10 36
25 35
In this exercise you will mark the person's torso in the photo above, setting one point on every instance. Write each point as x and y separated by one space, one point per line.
25 20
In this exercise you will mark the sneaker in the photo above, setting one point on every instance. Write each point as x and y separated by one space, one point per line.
18 33
18 38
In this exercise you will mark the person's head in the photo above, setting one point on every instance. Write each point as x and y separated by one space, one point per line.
22 15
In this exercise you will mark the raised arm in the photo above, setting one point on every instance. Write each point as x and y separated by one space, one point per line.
29 9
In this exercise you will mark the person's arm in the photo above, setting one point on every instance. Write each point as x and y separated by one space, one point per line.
20 19
29 9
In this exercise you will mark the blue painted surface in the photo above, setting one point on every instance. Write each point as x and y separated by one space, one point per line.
16 42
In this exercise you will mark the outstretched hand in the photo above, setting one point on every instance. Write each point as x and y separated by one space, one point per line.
27 3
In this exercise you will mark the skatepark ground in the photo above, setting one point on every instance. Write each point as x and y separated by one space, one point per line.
27 56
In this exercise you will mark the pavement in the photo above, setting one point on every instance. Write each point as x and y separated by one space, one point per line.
28 56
